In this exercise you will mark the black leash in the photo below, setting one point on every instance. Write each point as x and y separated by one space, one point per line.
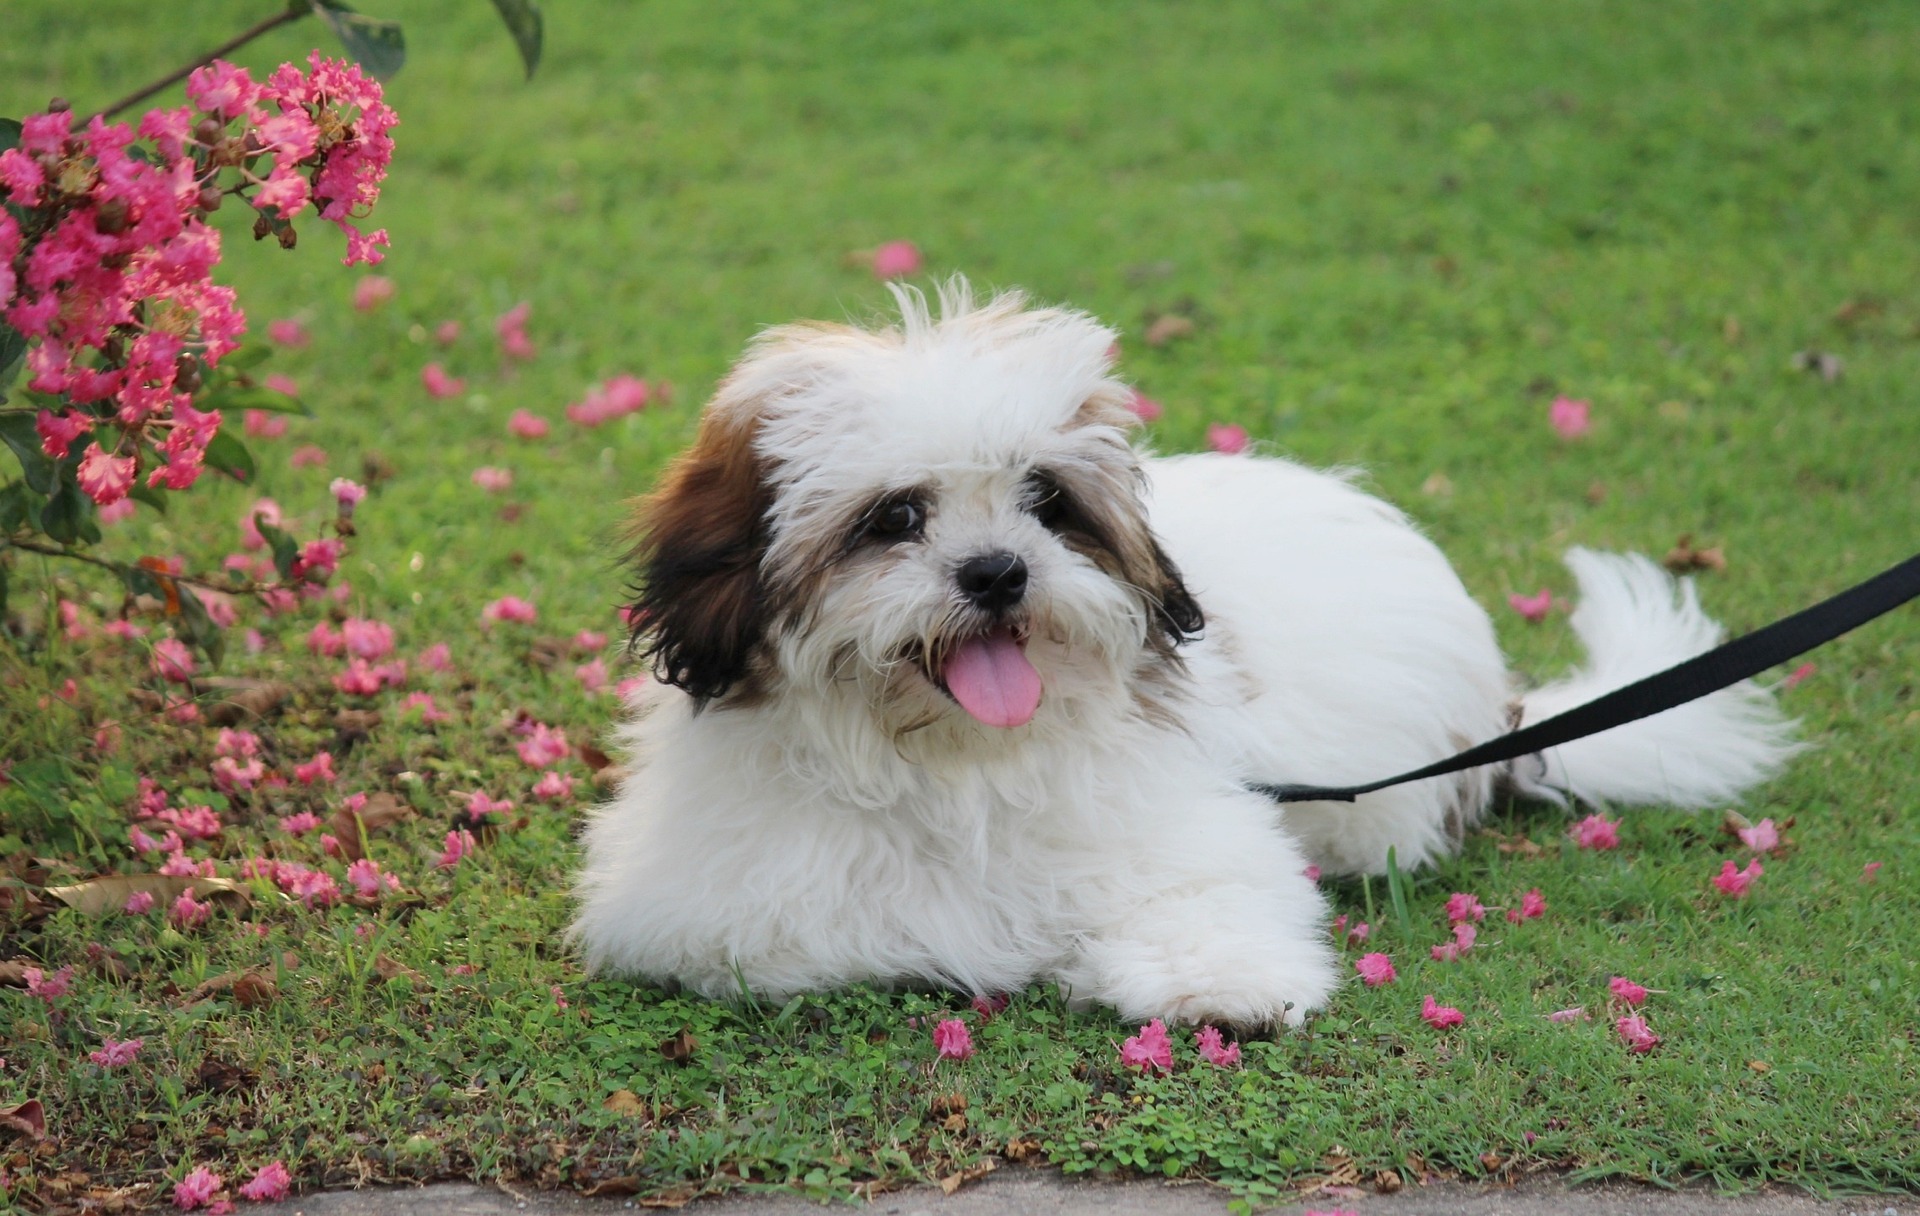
1724 665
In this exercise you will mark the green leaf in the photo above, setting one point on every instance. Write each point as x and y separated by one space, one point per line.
246 358
142 492
524 23
230 456
1397 893
13 354
198 626
375 45
16 505
286 550
18 433
9 133
69 517
230 397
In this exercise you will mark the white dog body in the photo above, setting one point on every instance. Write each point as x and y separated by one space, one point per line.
944 711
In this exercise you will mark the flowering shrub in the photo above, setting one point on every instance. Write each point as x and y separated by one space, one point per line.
132 352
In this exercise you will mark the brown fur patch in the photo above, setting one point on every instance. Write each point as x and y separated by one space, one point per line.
698 543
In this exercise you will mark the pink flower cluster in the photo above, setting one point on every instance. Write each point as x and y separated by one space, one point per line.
614 398
951 1040
108 273
1151 1050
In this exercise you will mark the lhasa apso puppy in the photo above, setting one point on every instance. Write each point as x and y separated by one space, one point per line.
957 685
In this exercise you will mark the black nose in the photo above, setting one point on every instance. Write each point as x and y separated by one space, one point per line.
994 581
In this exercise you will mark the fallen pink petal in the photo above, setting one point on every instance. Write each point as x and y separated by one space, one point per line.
952 1040
1532 607
1597 832
1735 882
1214 1048
1569 417
1375 969
1151 1050
896 259
1637 1035
1762 837
1630 994
1227 439
1439 1016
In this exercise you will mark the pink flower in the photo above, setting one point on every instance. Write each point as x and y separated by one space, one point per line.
423 701
299 823
553 787
1762 837
1463 906
1144 407
1630 993
1464 935
360 679
1871 871
138 904
1532 607
1569 417
543 747
989 1007
1312 873
952 1040
1597 832
317 770
198 1188
260 424
613 398
592 676
366 639
371 292
286 386
896 259
1439 1016
48 988
103 478
172 660
437 657
1150 1050
1532 905
459 844
511 329
480 805
629 688
287 333
446 333
1215 1050
1226 438
188 912
1376 969
117 512
493 480
367 879
1576 1014
270 1185
527 425
1800 675
346 494
1735 882
307 455
116 1053
439 384
509 608
589 640
1638 1036
324 640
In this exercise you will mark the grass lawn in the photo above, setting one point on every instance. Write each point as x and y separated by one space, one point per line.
1400 229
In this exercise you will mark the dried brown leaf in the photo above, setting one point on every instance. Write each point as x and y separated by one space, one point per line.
625 1184
680 1047
250 989
678 1197
625 1102
390 969
108 893
593 757
1683 558
1167 328
28 1119
973 1173
1018 1149
246 699
379 811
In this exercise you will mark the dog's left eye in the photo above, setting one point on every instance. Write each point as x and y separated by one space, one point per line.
1048 503
892 520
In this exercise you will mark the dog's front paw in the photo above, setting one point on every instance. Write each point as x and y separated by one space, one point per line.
1233 960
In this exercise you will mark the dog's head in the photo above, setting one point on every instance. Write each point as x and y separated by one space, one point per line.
942 519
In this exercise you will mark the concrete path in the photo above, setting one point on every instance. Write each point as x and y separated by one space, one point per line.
1024 1192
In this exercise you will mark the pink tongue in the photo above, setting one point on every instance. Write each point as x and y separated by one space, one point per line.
992 680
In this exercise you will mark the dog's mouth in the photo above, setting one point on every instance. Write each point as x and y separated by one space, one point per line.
988 675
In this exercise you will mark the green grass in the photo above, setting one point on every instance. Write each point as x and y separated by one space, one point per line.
1402 229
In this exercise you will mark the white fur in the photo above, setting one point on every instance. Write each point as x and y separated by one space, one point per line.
853 824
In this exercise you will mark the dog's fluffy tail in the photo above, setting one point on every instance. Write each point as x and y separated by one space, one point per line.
1635 620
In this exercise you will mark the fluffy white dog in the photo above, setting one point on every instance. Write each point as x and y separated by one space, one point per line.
957 685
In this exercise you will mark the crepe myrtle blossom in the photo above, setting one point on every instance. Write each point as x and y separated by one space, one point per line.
138 904
1214 1048
1597 832
188 912
1532 607
437 657
299 823
1637 1035
264 424
592 676
1734 882
527 425
446 334
1532 906
1762 837
1375 969
107 269
197 1189
368 880
952 1040
492 479
897 260
1630 994
1144 407
367 639
511 329
459 844
1569 418
439 384
1151 1050
1462 906
288 333
1464 935
270 1185
1576 1014
48 988
1439 1016
371 292
429 712
509 608
1226 438
172 661
553 786
544 747
116 1053
318 770
480 804
612 398
308 455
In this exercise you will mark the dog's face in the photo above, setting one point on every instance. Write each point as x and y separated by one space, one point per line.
943 522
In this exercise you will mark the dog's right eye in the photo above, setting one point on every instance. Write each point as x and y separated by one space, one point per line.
896 519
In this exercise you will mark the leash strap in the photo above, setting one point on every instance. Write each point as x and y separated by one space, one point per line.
1724 665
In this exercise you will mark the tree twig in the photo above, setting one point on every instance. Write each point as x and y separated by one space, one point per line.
274 22
227 588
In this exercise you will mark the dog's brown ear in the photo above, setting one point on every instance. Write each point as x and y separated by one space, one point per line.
1176 614
699 611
